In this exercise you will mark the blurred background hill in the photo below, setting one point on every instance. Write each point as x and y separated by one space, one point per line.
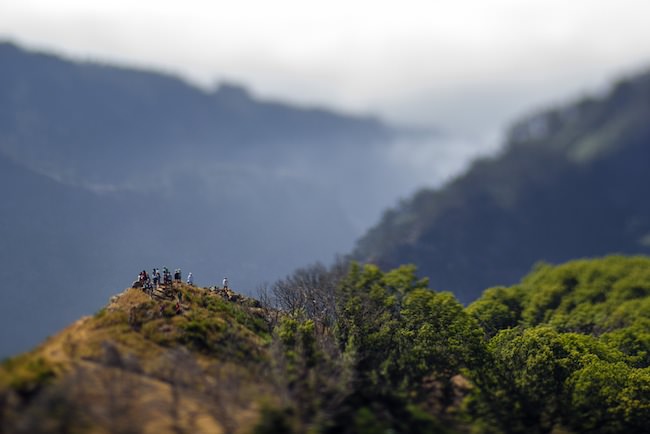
110 170
570 183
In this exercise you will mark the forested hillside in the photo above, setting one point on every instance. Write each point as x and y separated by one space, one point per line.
351 350
570 182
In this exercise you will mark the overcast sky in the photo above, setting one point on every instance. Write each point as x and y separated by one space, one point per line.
468 66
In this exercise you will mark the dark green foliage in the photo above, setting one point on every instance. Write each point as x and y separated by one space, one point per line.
303 368
436 337
574 353
588 296
223 329
240 314
498 309
299 340
533 372
633 340
524 381
585 296
400 338
201 333
273 421
608 397
365 422
370 303
410 419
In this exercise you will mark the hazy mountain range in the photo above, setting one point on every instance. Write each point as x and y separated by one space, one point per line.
105 171
109 170
571 182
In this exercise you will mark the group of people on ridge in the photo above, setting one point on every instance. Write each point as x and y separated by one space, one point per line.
165 278
148 282
156 279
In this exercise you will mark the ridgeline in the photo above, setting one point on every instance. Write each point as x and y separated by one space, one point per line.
570 182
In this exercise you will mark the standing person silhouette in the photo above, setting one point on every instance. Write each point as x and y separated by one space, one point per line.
225 283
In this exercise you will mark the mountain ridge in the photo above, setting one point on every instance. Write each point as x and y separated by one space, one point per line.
134 109
567 184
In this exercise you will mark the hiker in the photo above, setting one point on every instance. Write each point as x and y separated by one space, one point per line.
225 283
142 277
178 308
177 275
156 277
148 287
190 279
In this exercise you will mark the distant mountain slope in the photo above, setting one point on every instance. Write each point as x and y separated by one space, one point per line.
97 123
105 168
55 237
571 182
64 248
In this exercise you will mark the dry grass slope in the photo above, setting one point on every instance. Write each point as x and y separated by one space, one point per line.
137 366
